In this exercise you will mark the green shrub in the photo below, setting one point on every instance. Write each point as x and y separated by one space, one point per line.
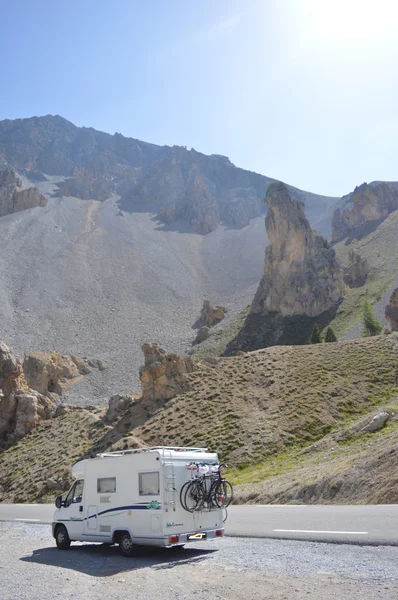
370 323
330 335
315 336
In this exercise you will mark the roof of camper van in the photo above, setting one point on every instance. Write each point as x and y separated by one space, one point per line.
168 452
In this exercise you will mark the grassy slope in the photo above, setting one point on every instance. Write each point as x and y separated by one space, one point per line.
253 409
250 407
340 468
380 248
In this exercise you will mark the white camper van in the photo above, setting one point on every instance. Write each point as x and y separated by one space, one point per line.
133 497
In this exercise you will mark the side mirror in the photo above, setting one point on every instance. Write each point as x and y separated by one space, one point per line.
58 502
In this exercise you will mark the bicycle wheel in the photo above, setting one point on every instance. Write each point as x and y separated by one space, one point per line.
182 494
193 496
223 494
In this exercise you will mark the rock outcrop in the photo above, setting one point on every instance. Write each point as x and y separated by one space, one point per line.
87 185
202 335
301 273
368 204
163 375
356 272
118 404
211 315
12 197
21 408
391 311
52 372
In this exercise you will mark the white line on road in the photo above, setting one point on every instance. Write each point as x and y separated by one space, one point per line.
311 531
33 520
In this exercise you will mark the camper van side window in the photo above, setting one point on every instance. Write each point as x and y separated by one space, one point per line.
149 483
106 485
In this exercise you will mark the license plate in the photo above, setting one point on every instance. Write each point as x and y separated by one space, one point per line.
197 536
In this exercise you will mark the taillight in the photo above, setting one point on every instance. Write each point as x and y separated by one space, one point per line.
174 539
219 532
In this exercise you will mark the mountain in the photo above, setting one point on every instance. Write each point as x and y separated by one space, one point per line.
174 182
81 276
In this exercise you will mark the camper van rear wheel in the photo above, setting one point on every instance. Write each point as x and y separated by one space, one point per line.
126 545
62 538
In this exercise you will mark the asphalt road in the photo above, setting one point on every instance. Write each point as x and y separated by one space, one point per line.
363 524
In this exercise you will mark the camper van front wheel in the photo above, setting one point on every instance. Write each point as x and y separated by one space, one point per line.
126 545
62 538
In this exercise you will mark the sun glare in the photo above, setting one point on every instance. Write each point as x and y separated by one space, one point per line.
352 19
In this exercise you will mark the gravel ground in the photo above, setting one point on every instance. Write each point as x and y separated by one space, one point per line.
32 568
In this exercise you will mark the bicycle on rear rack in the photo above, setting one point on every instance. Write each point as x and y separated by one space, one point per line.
206 491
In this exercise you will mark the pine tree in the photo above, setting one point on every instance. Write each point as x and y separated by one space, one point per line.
316 335
330 335
370 323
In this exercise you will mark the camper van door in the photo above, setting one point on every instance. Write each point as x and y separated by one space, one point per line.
73 511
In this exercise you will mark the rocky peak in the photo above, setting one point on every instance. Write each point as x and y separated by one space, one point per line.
163 375
301 273
368 203
391 311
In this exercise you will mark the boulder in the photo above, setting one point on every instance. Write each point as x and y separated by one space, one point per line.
164 375
377 422
202 334
391 311
211 315
301 273
118 404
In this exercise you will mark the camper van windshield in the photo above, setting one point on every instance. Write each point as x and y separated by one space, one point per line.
75 493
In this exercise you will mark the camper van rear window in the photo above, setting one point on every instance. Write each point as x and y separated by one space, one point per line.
149 483
106 485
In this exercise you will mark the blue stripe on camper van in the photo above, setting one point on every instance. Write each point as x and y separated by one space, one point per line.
138 506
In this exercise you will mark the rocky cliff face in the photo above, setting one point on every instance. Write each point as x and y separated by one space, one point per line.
52 372
369 203
21 408
176 183
12 197
163 375
28 391
392 311
301 273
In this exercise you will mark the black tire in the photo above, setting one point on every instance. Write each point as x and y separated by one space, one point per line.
126 545
62 538
194 496
182 494
223 494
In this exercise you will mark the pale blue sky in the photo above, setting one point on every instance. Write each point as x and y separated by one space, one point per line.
301 90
